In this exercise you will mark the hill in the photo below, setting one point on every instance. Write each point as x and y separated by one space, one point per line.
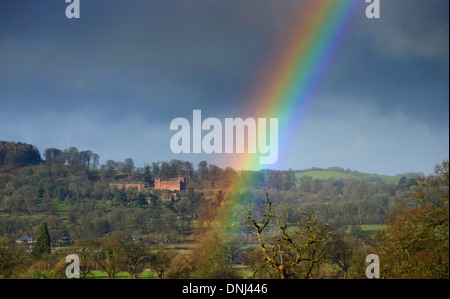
70 190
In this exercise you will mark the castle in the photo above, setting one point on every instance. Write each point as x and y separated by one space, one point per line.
172 184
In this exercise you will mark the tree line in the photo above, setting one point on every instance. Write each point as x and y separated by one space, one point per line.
73 198
77 201
289 244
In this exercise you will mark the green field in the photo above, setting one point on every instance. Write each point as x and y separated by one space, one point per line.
325 175
370 229
121 275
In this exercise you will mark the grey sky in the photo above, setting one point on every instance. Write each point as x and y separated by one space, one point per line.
113 80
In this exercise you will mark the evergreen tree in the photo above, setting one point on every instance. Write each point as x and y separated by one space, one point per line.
42 241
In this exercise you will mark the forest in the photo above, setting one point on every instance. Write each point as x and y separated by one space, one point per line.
285 224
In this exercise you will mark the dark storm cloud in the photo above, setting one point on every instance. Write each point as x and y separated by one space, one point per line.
146 54
113 80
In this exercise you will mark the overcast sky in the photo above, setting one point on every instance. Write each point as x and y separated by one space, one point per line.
113 80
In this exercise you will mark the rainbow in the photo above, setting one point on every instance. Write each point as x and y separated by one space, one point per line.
294 75
296 70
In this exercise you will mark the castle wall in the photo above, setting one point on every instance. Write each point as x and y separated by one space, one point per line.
172 184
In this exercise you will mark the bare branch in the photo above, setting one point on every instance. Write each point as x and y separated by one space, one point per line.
286 252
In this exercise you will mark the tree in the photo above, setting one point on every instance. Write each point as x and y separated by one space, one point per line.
165 171
207 213
72 155
86 157
39 270
212 258
416 241
128 165
274 179
306 184
214 172
11 259
161 260
59 270
85 250
140 200
180 268
177 167
51 155
203 170
288 179
284 251
340 252
404 184
136 257
120 197
155 169
317 186
189 169
110 255
95 160
111 165
355 232
148 175
18 154
43 242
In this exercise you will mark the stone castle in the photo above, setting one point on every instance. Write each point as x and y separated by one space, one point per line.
172 184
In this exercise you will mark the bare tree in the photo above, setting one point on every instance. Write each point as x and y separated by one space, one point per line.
285 250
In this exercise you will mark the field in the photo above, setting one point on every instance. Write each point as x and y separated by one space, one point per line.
122 275
372 228
326 174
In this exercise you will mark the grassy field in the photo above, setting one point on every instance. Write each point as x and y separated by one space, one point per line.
242 272
325 174
122 275
370 229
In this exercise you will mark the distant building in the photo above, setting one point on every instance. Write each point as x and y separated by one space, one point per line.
26 241
172 184
126 185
